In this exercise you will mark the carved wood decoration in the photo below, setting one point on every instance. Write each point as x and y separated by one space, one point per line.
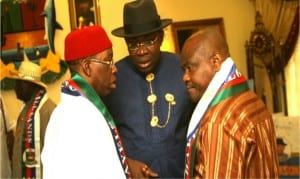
263 54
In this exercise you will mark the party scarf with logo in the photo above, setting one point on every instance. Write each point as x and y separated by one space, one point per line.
226 83
78 86
31 167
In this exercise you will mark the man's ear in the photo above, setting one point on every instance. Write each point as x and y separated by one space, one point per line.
85 67
161 36
217 62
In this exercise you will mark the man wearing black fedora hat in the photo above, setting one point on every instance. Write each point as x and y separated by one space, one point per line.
150 105
282 157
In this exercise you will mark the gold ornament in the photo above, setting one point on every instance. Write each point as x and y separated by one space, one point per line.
150 77
152 98
169 97
154 121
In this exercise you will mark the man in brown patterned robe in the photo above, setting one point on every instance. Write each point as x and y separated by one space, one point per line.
231 133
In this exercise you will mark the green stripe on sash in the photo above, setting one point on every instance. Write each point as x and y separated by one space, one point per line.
91 94
228 92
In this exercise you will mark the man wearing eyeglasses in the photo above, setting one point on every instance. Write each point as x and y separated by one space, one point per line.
81 138
150 104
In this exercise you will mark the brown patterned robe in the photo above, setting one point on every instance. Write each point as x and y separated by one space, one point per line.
236 139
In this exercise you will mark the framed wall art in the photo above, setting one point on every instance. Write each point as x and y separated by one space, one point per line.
182 30
21 21
84 12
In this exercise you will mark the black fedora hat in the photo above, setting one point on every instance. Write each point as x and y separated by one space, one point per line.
140 17
280 141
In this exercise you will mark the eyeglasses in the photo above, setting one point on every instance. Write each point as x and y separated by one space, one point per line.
110 62
134 46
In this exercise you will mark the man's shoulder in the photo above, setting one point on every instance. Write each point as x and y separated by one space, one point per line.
123 61
248 103
49 102
48 105
163 55
170 55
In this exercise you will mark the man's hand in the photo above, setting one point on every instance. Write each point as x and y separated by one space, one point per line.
140 170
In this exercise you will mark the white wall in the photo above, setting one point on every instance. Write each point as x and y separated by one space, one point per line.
292 83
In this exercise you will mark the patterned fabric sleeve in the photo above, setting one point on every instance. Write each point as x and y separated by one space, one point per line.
237 140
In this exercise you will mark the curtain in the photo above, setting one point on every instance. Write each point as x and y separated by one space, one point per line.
281 19
278 16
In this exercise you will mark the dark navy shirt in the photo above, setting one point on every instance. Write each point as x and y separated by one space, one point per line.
162 149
